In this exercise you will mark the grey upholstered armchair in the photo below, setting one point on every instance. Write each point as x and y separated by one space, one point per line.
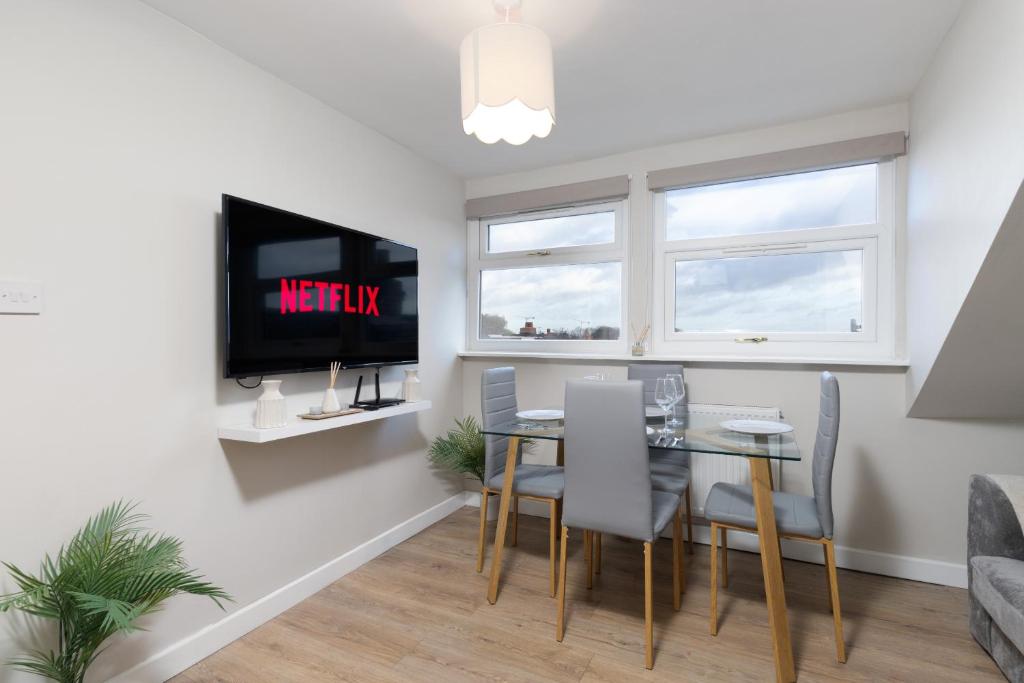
995 568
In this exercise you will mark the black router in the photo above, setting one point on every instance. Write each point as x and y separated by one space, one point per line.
378 402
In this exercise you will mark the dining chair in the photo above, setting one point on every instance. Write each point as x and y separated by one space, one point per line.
544 483
798 517
608 486
670 470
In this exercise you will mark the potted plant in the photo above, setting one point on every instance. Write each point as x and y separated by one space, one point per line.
461 449
109 575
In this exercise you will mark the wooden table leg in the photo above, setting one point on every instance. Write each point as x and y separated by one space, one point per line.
506 499
771 565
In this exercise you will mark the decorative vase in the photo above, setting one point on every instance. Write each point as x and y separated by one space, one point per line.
411 386
271 409
330 403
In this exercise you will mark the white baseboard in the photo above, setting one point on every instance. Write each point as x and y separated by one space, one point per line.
870 561
183 654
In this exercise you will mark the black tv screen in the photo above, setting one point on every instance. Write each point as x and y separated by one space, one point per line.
301 293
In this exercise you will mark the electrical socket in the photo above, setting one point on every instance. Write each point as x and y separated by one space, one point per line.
24 297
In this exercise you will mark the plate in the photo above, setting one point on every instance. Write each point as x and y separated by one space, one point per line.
757 426
541 415
650 430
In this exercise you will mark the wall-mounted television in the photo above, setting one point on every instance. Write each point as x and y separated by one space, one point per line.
301 293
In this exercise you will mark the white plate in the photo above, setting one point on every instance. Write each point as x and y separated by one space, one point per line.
650 430
757 426
541 415
654 411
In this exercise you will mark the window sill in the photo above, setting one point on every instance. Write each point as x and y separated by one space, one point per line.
897 363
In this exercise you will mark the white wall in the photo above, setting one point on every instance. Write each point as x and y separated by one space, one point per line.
900 484
121 129
966 165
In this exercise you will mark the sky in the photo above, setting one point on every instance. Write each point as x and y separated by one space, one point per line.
801 292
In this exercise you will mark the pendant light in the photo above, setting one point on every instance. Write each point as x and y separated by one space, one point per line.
508 85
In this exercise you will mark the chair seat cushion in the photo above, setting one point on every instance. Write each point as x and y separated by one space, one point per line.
669 481
998 584
543 481
734 504
663 508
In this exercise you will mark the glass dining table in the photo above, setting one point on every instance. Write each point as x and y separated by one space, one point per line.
697 432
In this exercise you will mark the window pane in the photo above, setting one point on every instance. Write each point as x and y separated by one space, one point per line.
548 233
819 199
581 301
808 292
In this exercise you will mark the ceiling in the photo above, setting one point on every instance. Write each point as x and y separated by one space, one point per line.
628 73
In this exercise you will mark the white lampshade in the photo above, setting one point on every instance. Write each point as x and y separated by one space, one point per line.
508 84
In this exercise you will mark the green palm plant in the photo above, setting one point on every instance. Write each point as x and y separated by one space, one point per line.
461 449
110 574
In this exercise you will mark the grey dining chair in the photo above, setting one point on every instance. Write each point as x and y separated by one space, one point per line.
543 483
670 470
798 517
608 486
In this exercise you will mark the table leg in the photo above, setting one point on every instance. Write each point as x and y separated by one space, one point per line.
499 536
771 565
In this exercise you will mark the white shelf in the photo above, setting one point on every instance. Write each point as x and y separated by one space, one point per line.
297 426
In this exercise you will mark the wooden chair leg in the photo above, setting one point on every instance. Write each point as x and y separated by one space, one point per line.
560 626
483 531
833 589
553 544
588 556
677 535
597 553
714 579
648 606
689 520
515 521
725 557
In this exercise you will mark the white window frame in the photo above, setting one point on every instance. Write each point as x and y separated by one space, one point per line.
480 260
876 340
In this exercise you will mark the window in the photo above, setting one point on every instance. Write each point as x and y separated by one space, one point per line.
549 280
790 265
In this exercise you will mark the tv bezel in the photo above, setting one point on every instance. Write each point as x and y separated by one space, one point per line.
226 227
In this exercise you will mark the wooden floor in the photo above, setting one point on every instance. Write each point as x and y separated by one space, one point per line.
419 613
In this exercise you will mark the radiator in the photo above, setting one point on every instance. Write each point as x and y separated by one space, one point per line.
707 469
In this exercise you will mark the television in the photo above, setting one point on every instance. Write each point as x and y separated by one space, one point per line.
301 293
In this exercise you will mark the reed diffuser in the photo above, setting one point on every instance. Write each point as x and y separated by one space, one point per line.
640 340
330 403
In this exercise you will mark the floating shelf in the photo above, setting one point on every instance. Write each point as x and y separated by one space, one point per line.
297 426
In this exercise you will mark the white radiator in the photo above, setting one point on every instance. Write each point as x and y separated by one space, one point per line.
707 469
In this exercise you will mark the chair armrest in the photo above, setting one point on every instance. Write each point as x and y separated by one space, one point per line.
993 526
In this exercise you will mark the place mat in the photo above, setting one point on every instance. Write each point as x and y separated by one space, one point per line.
715 438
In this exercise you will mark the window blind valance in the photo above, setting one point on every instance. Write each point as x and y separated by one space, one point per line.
605 189
818 157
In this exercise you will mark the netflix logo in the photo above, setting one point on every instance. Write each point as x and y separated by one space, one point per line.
306 296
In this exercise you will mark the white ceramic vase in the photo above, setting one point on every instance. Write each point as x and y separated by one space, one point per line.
330 403
411 386
271 409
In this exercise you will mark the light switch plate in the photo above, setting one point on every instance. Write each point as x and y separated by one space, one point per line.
21 296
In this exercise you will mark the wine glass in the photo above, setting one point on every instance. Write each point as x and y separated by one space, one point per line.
665 395
677 378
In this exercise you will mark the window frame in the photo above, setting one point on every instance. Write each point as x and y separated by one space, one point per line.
877 338
480 260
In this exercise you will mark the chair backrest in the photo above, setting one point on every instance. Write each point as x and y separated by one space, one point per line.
825 451
607 470
648 373
497 405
